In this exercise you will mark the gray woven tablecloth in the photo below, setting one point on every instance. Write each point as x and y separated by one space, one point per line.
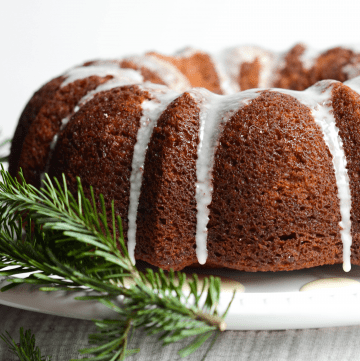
62 337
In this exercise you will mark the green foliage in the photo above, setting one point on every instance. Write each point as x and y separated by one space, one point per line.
25 349
3 145
67 236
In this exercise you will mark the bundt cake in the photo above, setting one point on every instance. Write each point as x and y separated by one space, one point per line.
200 172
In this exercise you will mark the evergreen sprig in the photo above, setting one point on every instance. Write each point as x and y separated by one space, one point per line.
25 350
69 237
4 144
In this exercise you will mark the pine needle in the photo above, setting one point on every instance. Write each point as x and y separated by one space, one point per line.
25 350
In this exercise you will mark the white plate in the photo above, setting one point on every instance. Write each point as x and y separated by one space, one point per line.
271 301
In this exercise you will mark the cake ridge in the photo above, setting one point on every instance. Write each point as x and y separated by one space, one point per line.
152 110
120 77
214 111
318 99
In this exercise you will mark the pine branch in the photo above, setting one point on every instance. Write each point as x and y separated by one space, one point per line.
66 236
3 145
25 350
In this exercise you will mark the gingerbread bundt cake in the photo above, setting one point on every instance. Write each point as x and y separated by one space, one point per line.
201 172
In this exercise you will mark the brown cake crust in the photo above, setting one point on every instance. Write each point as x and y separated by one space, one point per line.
294 75
330 65
166 222
36 146
198 68
249 75
346 105
29 114
98 145
147 74
274 204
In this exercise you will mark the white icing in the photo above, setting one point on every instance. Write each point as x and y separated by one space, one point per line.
87 71
121 77
352 70
353 47
226 84
152 110
309 56
214 110
228 63
329 284
187 52
354 84
232 59
171 76
318 99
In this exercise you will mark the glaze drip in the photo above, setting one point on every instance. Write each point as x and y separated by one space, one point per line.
318 99
214 111
152 110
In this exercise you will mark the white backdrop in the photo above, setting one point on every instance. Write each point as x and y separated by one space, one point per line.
42 38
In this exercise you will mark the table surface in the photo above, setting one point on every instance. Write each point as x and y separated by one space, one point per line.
61 337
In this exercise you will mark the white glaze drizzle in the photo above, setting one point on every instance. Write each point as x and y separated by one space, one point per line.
318 99
171 76
267 70
352 70
228 64
214 111
354 84
87 71
121 77
227 85
187 52
233 58
152 110
309 56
